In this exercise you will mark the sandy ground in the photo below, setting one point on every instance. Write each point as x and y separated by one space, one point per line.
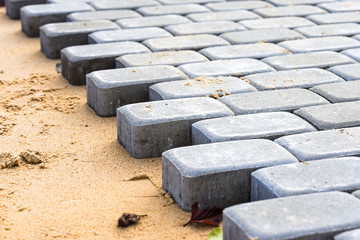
85 183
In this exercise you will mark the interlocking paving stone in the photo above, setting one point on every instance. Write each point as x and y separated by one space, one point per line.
257 50
181 9
199 87
302 78
349 72
263 35
271 101
309 216
353 53
349 235
212 27
174 2
357 37
156 21
224 15
78 61
356 194
110 89
148 129
332 116
124 4
237 67
320 44
339 92
345 6
13 6
174 58
209 173
308 60
34 16
68 1
335 18
237 5
195 42
297 2
260 125
136 34
335 174
280 22
289 11
344 29
56 36
323 144
102 15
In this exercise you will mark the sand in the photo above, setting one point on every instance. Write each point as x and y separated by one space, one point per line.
64 174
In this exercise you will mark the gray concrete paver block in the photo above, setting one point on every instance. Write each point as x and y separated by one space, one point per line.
110 89
56 36
134 34
193 42
156 21
279 22
353 53
343 29
349 72
77 61
217 174
112 15
148 129
298 2
175 2
356 194
268 125
212 27
299 78
335 174
34 16
257 50
271 101
323 59
223 16
339 92
68 1
124 4
181 9
348 235
309 216
323 144
236 67
339 6
199 87
336 43
174 58
331 116
238 5
262 35
13 6
332 18
289 11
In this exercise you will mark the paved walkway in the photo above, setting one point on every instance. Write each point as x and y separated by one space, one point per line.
266 92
